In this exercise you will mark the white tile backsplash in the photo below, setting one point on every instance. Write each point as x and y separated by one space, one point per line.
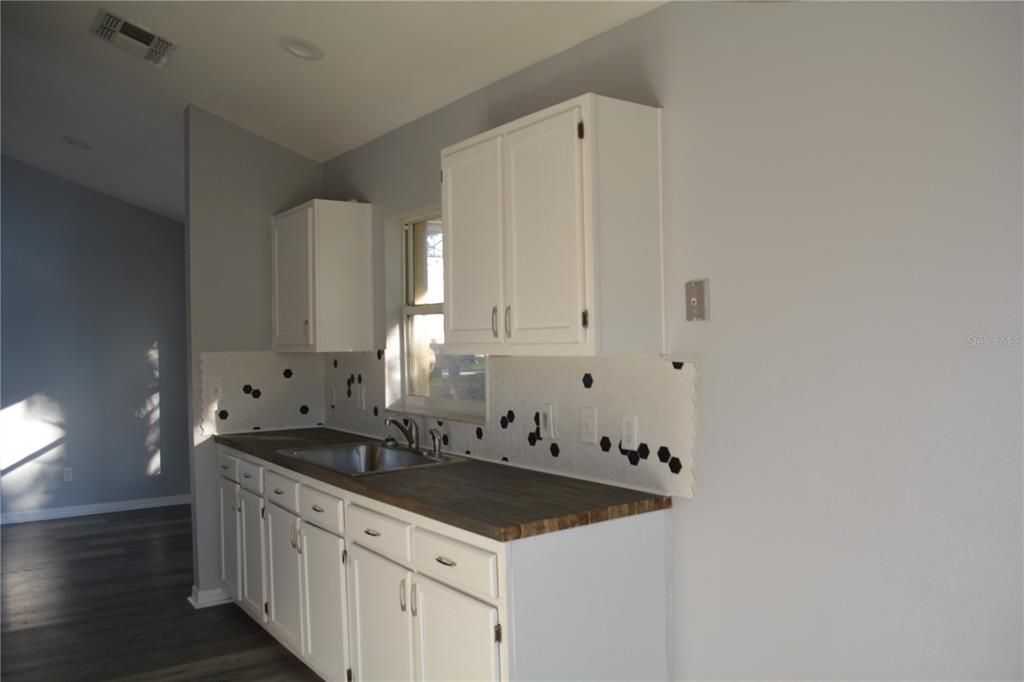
257 390
659 392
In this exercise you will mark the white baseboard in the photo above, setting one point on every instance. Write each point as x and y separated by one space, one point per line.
200 599
88 509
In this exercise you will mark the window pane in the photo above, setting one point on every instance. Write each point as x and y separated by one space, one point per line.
426 258
436 374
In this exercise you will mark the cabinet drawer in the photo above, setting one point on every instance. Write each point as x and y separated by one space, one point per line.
456 563
321 509
378 532
283 491
227 465
250 476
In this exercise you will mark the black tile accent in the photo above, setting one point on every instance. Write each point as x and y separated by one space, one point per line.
511 416
319 423
663 454
256 393
304 409
223 414
405 421
633 457
504 459
440 423
622 450
380 355
675 465
504 422
332 406
287 374
376 412
359 379
606 443
532 438
247 389
588 380
348 393
536 418
479 433
335 363
536 432
468 452
256 428
554 449
643 451
444 439
677 365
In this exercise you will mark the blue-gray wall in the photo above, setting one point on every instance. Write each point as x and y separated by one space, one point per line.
93 338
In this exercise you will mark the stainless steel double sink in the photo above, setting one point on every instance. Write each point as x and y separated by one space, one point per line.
371 457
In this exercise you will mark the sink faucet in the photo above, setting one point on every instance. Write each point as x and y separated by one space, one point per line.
435 441
411 432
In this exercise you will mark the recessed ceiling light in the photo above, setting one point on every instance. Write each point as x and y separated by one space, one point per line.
301 48
76 142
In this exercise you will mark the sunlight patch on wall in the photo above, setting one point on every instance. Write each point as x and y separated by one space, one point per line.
31 451
150 413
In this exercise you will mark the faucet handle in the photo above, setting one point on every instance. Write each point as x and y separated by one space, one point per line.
435 440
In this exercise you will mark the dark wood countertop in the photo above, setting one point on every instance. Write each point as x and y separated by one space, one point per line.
496 501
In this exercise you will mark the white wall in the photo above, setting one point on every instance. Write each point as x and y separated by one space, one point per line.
236 181
849 178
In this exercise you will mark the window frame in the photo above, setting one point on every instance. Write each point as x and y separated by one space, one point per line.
465 410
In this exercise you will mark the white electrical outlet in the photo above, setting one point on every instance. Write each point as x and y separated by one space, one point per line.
588 425
68 474
630 433
361 401
547 421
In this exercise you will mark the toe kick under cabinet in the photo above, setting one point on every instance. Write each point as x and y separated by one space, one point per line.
362 590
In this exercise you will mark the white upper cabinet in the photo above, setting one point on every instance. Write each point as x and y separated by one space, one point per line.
323 277
554 235
471 204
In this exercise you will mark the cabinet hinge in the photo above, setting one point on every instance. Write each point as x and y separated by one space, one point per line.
586 319
348 675
497 632
266 607
344 556
579 130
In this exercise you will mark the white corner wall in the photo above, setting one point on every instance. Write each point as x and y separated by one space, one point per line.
848 175
235 182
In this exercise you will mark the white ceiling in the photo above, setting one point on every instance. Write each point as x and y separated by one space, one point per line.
385 64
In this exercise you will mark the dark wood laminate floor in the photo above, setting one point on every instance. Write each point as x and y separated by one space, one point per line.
103 598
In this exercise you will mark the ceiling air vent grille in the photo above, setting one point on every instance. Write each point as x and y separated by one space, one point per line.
133 39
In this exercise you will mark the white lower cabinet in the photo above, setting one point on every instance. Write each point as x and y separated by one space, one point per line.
253 588
364 591
382 639
284 569
456 635
230 567
324 601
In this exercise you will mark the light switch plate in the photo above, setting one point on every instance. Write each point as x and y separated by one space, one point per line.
630 433
697 299
588 425
547 421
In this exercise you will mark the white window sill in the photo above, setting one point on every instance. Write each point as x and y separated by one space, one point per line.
474 417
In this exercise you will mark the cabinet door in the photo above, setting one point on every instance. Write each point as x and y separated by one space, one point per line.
381 621
284 568
253 585
471 212
325 604
455 634
229 539
292 270
544 239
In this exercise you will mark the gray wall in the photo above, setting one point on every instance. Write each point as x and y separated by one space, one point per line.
849 177
235 182
91 286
